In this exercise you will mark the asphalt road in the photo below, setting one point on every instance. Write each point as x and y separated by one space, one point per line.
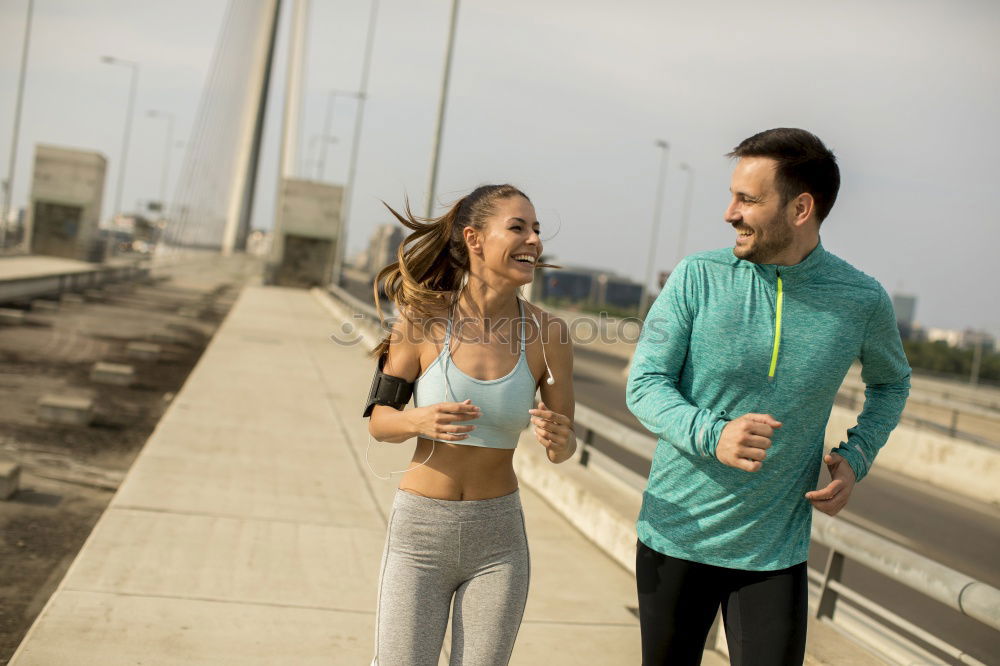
959 533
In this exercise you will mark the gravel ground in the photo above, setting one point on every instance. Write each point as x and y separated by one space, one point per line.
69 473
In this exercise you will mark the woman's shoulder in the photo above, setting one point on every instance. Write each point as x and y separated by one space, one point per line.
418 327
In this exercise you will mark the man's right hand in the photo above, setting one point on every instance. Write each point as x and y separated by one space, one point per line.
744 441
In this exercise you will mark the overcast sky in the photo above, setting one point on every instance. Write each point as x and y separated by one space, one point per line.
566 98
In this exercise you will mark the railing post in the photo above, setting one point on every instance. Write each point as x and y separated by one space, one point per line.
827 595
953 429
586 443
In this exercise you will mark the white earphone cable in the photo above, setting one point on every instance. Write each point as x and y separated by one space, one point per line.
398 471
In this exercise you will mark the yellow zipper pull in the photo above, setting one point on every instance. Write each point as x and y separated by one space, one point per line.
777 332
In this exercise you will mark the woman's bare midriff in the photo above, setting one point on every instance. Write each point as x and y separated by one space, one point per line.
460 472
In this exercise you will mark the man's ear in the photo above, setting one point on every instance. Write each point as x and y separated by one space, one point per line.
802 208
472 240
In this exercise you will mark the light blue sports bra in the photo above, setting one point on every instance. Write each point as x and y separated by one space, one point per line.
504 402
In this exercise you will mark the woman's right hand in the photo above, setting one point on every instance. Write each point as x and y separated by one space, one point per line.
443 420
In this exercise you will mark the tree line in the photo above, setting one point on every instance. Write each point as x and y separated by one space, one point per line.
939 358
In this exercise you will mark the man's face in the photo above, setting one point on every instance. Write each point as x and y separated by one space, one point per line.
762 223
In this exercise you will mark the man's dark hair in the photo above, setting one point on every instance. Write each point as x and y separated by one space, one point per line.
804 165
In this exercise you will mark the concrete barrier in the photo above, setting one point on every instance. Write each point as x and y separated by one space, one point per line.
10 478
145 351
597 505
112 373
11 317
42 305
968 469
168 338
65 410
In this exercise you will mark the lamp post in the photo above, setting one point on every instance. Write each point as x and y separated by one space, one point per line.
8 184
657 214
442 105
134 66
345 204
682 236
327 127
321 140
152 113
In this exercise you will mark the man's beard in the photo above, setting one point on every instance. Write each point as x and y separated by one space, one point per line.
769 244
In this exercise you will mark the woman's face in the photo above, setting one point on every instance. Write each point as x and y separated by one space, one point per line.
510 245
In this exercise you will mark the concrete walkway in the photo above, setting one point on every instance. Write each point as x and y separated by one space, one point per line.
249 529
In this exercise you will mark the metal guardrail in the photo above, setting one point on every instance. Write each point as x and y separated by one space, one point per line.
365 316
850 398
956 590
56 284
962 593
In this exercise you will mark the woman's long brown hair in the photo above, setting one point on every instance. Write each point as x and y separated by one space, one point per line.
432 262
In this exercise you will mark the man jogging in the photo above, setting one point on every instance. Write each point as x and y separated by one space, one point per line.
736 371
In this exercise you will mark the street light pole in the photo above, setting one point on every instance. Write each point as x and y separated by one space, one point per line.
977 359
8 185
327 127
134 66
657 214
317 143
442 105
345 204
166 155
682 236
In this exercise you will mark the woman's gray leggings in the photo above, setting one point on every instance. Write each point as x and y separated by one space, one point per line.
475 551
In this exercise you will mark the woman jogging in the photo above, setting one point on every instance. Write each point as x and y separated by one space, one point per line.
473 354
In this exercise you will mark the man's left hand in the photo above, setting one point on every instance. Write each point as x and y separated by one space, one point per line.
831 499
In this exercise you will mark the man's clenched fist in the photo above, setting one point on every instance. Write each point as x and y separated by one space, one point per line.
745 441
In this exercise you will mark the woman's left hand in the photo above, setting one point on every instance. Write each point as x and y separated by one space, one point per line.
554 432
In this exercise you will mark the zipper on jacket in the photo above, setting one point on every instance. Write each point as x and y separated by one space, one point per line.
777 332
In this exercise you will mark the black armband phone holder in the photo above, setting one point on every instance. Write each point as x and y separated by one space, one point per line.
387 390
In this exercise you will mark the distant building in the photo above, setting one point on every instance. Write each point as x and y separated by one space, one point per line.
14 227
967 339
905 307
595 287
972 339
383 246
574 286
306 234
64 206
139 228
949 336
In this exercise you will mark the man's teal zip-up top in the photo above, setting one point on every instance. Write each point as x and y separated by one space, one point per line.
727 337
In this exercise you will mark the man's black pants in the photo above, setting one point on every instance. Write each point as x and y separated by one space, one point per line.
764 611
